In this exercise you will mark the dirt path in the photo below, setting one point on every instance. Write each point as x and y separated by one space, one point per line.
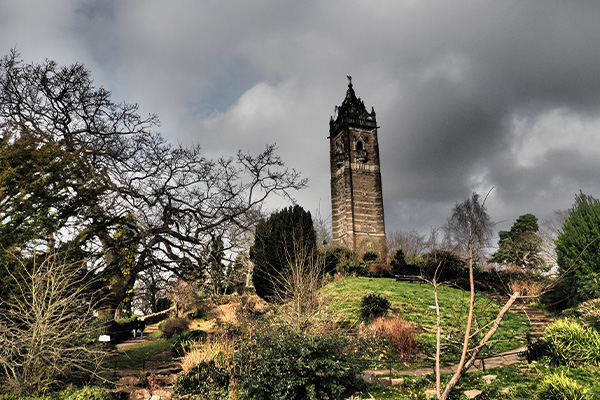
131 342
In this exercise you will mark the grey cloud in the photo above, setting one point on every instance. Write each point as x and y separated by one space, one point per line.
447 80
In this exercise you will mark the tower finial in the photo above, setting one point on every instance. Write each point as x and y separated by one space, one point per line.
349 80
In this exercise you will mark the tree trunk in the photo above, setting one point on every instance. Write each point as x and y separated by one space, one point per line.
463 356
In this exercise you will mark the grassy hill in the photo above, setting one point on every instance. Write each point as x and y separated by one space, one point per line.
415 303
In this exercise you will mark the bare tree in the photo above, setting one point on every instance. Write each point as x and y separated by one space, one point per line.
549 230
115 167
150 290
297 286
183 295
47 329
469 228
323 232
412 243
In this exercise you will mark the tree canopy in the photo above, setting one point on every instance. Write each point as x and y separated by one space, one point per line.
521 245
76 166
285 238
578 250
469 227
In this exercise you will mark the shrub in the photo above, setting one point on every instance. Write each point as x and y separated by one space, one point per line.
174 326
450 265
400 334
569 343
370 256
352 268
527 287
536 350
288 365
185 340
120 330
273 364
589 313
560 387
373 306
207 379
208 370
398 264
196 314
380 271
87 393
335 257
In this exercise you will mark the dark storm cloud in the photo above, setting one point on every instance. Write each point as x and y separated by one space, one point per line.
469 95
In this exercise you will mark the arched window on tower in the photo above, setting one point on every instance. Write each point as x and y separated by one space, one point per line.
361 153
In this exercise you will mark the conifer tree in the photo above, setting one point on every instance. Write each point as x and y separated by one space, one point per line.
578 250
280 241
521 245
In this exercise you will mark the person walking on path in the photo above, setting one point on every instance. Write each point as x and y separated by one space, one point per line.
135 327
141 326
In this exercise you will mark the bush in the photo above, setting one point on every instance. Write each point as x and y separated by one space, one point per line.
560 387
207 379
85 393
352 268
380 271
208 370
273 364
569 343
185 340
120 330
288 365
400 334
398 264
373 306
589 313
370 256
335 257
173 326
196 314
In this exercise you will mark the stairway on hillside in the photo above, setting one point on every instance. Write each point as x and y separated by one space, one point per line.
538 319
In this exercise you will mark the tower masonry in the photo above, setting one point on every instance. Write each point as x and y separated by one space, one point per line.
356 196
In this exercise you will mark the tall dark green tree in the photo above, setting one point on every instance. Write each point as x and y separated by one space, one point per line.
285 238
521 245
215 268
578 250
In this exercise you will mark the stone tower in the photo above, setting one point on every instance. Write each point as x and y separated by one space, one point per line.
356 198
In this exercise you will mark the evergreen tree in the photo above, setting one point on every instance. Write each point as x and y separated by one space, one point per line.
521 245
578 250
285 238
215 269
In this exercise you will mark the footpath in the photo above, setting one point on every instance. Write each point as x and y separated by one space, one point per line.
154 379
537 320
137 340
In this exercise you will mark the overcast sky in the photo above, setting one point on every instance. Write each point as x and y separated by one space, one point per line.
469 94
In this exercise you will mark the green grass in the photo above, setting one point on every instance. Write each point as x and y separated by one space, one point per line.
133 357
515 382
415 302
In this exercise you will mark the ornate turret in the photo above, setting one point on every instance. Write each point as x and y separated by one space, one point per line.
352 111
